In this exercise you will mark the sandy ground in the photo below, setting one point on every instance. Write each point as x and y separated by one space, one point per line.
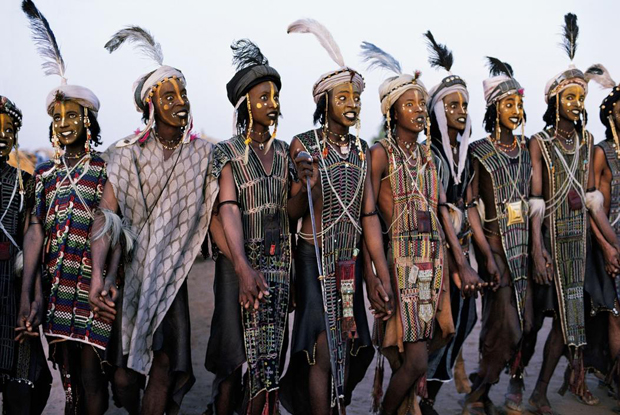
201 306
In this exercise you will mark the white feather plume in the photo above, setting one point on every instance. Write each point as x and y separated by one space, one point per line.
599 74
537 207
594 200
321 33
142 39
456 217
112 226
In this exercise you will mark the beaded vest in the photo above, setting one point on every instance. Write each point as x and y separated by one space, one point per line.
511 186
262 199
342 184
568 231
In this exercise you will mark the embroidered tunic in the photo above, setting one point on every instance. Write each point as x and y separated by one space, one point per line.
64 202
262 196
342 183
511 187
569 229
415 240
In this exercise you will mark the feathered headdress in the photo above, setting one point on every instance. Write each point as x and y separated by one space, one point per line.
144 88
570 35
45 40
501 83
599 74
331 79
379 59
142 40
441 57
252 69
497 67
571 76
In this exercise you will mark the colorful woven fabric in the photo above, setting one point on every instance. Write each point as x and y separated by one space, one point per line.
417 252
342 183
511 185
569 230
64 203
261 195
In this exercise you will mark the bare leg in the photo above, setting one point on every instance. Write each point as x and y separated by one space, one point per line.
158 390
320 383
127 388
94 382
228 390
614 348
554 348
415 362
258 404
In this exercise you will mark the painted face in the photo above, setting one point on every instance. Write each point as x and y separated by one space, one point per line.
572 102
344 105
511 111
265 103
68 122
171 104
411 111
456 105
7 135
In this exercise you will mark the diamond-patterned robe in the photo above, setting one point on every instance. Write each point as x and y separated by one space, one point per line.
167 245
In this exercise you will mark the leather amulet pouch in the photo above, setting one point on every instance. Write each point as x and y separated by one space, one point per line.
574 200
345 282
272 234
424 221
5 251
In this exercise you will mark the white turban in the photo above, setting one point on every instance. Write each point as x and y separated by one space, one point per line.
330 80
83 96
393 88
142 87
437 107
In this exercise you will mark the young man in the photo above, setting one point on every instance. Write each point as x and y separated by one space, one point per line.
158 182
500 186
331 347
25 379
68 190
562 193
411 201
607 180
450 133
253 262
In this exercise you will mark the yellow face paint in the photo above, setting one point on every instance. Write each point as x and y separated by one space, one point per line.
461 100
273 94
259 105
175 84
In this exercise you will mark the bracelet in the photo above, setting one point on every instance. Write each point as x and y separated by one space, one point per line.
373 213
591 189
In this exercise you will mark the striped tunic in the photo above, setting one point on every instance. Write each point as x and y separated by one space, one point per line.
64 204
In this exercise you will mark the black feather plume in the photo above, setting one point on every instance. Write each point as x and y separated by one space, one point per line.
45 40
439 55
247 54
497 67
143 40
571 32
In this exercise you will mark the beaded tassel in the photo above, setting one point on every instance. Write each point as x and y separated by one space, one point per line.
248 139
88 135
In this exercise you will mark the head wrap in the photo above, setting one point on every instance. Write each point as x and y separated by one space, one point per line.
441 57
144 88
54 64
252 69
8 107
501 83
571 76
332 79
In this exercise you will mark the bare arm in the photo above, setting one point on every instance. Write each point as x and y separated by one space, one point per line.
543 266
373 240
298 201
252 284
469 280
217 233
